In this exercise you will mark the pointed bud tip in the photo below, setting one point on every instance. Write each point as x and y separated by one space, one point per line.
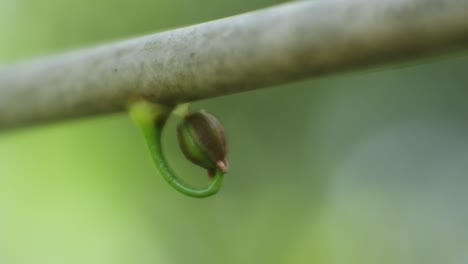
222 165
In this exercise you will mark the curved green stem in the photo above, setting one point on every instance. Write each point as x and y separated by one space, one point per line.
151 119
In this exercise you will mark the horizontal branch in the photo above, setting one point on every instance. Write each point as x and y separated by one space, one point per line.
288 42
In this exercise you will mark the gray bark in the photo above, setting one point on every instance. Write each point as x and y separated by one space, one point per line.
288 42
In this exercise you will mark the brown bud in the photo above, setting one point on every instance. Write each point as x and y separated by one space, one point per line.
203 141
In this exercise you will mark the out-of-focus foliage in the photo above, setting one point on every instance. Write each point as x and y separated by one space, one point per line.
368 167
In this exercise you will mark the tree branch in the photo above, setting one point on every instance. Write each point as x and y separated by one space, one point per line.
285 43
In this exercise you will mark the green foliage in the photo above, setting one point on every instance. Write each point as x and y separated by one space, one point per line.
361 168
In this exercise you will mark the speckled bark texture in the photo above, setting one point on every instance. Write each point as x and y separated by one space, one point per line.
293 41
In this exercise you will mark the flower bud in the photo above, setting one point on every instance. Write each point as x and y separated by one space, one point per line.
203 141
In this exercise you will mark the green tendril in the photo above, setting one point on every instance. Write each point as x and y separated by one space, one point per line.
151 118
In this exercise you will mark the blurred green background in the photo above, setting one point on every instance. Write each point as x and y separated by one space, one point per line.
365 167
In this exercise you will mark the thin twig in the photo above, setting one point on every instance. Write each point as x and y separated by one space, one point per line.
293 41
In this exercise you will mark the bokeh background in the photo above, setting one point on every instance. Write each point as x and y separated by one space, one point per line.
363 167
